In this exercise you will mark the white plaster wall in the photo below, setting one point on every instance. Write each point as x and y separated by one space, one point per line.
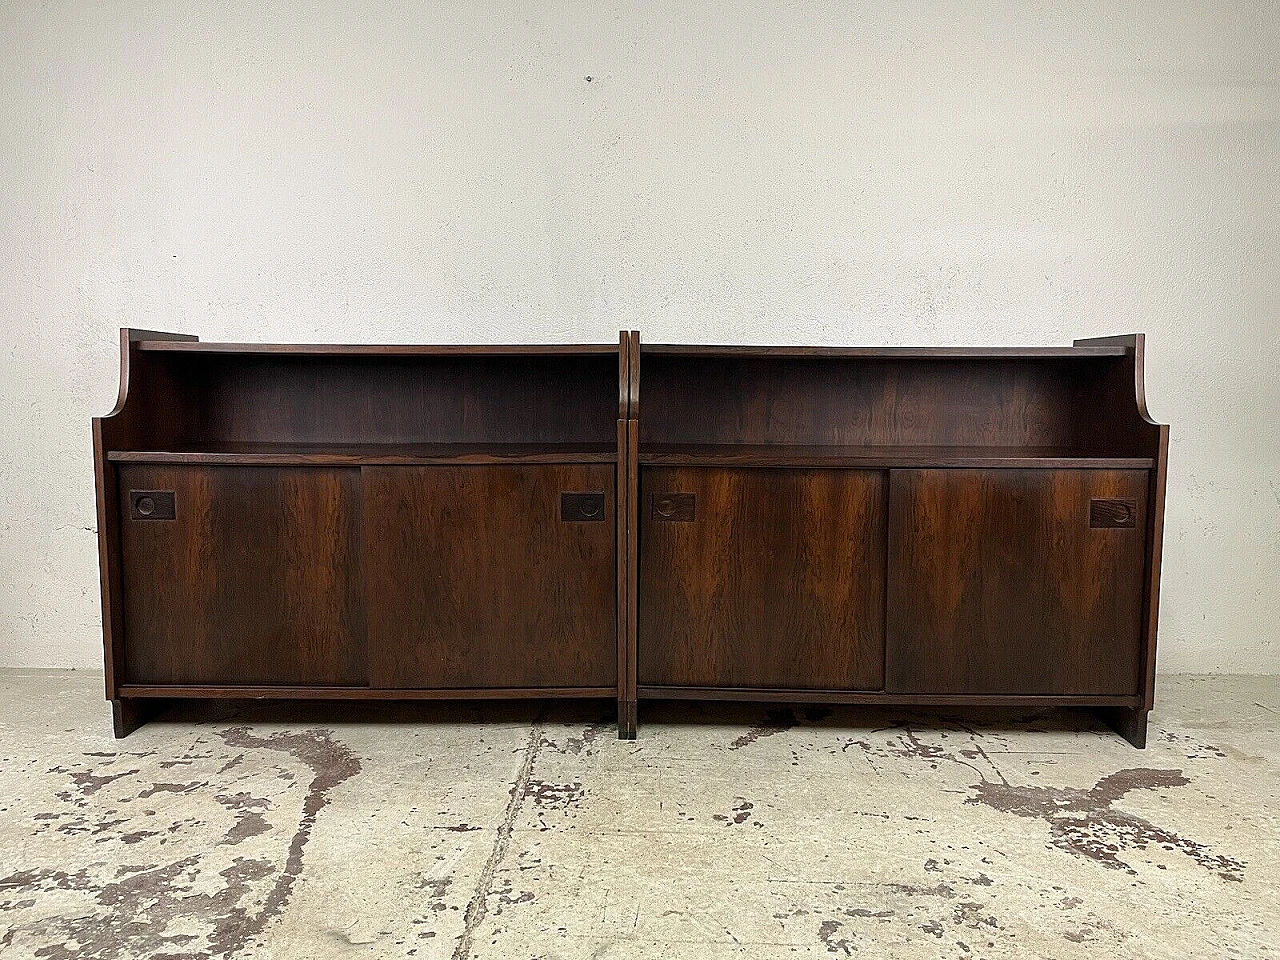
822 172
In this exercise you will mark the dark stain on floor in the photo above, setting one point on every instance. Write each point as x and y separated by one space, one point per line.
249 813
437 890
584 743
828 932
1086 822
774 723
555 796
145 901
331 763
1082 822
741 814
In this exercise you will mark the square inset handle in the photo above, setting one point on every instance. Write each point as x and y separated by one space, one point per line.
152 505
1113 513
673 506
581 506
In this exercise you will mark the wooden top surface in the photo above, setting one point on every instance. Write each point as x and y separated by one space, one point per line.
652 349
1029 353
380 349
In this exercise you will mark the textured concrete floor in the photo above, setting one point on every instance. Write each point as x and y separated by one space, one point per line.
724 831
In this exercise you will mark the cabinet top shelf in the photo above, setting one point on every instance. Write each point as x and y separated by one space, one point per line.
651 349
923 353
379 349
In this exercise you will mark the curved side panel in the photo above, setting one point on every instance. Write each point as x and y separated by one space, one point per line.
1136 343
1154 440
129 361
110 432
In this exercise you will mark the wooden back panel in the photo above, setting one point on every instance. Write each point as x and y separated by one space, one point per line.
318 399
949 400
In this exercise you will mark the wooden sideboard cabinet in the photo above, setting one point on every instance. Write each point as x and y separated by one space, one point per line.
356 522
908 526
899 526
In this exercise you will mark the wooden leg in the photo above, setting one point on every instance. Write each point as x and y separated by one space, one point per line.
626 720
1129 722
128 715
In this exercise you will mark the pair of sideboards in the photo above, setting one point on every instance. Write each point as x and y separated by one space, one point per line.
902 526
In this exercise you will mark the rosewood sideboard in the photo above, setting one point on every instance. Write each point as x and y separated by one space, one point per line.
903 526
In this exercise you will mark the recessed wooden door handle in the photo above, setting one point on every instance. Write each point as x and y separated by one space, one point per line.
673 506
1113 513
581 506
152 505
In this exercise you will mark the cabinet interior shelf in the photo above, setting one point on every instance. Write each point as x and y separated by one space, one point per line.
668 454
294 454
787 455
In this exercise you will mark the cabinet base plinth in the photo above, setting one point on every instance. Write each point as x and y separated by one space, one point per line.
627 712
1129 722
127 715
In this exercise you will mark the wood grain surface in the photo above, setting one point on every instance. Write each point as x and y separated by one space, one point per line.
778 581
256 580
998 584
474 580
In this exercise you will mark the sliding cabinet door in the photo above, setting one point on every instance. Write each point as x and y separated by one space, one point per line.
1015 581
241 575
761 578
491 576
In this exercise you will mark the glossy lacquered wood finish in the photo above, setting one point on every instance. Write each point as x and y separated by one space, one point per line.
1000 584
399 399
876 456
475 580
121 428
128 714
255 581
1134 427
1049 609
260 587
852 555
167 344
134 693
775 580
1105 347
881 698
626 725
631 484
633 566
371 454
